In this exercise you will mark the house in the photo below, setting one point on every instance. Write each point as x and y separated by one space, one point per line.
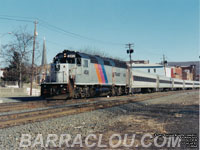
1 73
176 72
157 69
190 69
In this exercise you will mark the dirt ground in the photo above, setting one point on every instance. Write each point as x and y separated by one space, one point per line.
176 114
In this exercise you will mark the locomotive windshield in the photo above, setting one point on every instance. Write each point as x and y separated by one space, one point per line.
65 58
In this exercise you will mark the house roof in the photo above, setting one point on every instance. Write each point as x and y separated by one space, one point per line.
147 66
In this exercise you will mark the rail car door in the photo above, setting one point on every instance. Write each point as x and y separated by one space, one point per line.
78 66
157 83
113 71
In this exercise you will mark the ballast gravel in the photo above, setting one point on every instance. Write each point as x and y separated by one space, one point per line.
100 121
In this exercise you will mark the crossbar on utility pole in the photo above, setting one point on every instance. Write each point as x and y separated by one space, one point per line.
33 55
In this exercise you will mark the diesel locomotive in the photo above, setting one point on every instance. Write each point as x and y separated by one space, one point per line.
77 75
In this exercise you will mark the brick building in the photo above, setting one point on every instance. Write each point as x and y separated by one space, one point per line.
190 69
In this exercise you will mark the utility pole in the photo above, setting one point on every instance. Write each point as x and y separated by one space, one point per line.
164 63
44 62
130 51
33 55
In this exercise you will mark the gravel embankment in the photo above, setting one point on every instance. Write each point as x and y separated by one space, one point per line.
161 115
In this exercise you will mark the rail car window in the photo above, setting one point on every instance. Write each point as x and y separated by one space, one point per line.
57 67
93 60
120 64
154 70
148 70
117 74
144 79
62 60
85 63
165 81
117 64
123 65
106 62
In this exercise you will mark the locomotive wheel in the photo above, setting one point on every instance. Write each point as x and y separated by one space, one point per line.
119 91
87 92
92 92
114 91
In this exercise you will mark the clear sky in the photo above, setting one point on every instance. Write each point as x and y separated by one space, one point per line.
156 27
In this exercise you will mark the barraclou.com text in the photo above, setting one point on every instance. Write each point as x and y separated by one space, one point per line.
92 140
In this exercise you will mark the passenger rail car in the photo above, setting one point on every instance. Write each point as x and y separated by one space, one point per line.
143 82
146 82
196 84
78 75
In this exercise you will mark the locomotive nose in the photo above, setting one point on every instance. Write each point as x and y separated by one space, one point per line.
61 73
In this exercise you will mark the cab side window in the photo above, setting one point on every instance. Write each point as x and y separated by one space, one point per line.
79 61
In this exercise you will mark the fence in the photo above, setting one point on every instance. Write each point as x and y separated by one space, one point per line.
8 92
8 83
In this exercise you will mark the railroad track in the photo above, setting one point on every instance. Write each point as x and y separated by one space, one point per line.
73 108
14 106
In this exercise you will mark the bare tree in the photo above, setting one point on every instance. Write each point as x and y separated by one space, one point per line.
20 46
98 52
93 52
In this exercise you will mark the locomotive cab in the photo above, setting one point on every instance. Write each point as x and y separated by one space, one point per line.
62 74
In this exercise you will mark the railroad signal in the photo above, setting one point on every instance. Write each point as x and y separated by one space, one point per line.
130 51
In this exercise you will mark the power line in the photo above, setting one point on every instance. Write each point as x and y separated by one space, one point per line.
142 51
21 20
32 18
52 29
77 35
59 30
56 29
54 43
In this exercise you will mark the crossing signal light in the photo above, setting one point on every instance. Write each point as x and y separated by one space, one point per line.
130 51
